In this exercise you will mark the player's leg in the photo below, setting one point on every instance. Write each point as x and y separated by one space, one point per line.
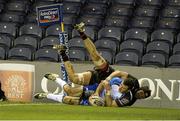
71 100
77 78
56 97
73 91
97 59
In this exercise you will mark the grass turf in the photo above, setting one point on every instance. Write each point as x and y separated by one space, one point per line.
54 111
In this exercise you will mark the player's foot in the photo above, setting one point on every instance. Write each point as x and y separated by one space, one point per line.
60 48
51 76
80 27
40 95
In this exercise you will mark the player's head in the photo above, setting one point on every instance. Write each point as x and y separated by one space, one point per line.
126 85
143 92
51 76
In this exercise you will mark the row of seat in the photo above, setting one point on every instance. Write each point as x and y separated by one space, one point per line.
129 58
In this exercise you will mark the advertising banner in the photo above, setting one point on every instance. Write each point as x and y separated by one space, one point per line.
17 81
49 14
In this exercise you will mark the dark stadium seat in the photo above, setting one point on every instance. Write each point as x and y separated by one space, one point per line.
159 46
178 38
49 41
157 3
27 42
20 7
71 8
31 18
176 48
94 9
20 53
12 17
5 42
127 58
8 29
107 54
54 30
89 30
163 35
77 1
107 44
91 20
106 2
124 2
117 21
77 54
31 29
168 23
76 42
39 3
113 33
136 34
174 61
142 23
46 54
132 45
154 60
120 10
146 11
175 3
170 12
69 19
2 53
1 7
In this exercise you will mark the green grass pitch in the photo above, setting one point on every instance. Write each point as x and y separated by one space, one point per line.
56 111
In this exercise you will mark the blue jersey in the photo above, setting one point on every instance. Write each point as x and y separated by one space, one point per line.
114 83
87 91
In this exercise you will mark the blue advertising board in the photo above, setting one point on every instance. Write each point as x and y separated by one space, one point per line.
49 14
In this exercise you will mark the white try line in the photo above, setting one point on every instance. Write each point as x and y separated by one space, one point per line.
29 104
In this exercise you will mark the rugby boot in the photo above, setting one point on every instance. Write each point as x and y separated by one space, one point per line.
80 27
40 95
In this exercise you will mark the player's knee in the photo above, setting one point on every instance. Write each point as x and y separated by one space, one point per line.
71 100
78 79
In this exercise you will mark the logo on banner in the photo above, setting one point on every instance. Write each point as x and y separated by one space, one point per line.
49 14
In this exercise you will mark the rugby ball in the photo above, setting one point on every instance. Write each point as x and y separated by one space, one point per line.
96 101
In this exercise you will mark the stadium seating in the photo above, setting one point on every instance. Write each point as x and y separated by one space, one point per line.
174 61
27 42
112 33
154 60
127 59
32 30
46 54
136 34
76 54
20 53
132 45
90 31
49 41
107 44
9 29
2 53
5 42
146 30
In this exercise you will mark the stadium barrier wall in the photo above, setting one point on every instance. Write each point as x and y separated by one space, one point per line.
164 82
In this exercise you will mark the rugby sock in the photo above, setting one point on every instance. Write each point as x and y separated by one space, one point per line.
58 98
64 56
60 82
83 35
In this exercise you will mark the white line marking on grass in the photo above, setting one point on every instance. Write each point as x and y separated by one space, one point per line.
19 104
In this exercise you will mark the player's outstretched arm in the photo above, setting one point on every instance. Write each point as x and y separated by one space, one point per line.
117 73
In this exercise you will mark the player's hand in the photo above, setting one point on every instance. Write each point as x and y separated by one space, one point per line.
106 85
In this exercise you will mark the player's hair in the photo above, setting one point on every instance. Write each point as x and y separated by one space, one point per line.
147 91
129 82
